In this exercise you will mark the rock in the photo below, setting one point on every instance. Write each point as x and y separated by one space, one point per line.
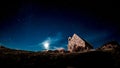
76 44
110 46
61 50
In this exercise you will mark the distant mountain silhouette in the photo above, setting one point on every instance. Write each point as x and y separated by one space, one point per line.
4 49
55 59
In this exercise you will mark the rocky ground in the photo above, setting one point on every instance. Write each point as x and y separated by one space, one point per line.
22 59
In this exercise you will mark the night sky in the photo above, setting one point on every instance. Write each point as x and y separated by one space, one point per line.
27 25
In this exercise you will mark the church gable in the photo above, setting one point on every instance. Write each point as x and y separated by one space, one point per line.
76 44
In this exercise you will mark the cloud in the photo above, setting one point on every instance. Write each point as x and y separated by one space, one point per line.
57 48
55 42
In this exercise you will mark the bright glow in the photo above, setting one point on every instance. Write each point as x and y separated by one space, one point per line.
46 45
51 41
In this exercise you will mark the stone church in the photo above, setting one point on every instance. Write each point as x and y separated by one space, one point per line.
77 44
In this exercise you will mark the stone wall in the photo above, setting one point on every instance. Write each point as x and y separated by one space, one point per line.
76 44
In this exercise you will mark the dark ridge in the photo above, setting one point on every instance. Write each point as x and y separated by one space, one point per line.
52 59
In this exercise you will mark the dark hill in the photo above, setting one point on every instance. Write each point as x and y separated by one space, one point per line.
52 59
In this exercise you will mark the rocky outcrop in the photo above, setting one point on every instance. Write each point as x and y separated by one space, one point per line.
61 50
110 46
77 44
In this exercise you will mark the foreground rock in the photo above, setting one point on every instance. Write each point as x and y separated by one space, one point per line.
110 46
